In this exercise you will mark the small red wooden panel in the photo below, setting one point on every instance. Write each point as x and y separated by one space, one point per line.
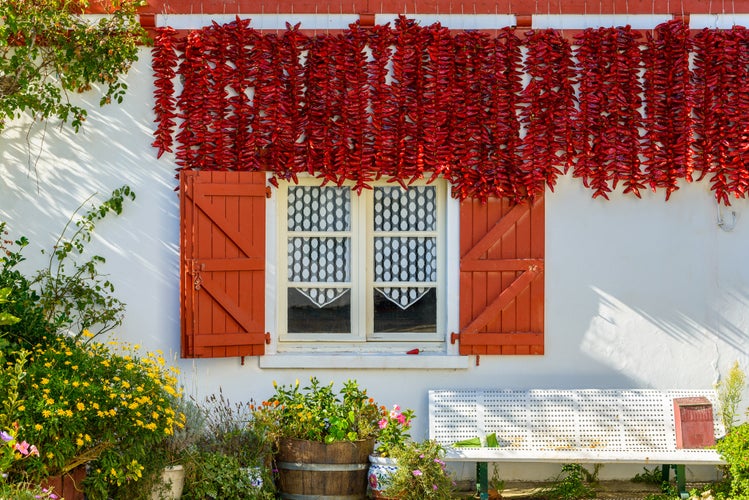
501 277
222 279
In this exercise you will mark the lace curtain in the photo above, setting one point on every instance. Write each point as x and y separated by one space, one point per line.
398 259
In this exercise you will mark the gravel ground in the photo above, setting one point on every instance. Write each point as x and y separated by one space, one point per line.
610 490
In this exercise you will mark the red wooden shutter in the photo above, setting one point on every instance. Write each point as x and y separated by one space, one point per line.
501 277
222 275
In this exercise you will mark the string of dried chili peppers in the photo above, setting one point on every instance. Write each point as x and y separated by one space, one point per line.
164 63
548 105
668 107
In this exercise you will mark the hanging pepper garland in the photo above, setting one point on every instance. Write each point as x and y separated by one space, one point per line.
548 105
608 117
669 99
722 110
164 64
407 101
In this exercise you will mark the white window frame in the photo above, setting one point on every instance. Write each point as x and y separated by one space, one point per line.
362 338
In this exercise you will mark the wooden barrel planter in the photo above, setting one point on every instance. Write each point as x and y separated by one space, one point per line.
312 470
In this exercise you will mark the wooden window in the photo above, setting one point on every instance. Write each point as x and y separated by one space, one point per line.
361 268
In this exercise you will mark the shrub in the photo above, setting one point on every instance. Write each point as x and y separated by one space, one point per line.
86 403
421 473
67 296
215 476
734 448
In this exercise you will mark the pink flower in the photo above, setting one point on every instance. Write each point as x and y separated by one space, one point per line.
401 418
33 450
417 472
383 423
22 448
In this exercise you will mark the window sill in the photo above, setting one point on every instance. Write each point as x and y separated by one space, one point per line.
366 361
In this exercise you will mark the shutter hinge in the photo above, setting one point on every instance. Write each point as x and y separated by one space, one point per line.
268 192
267 338
454 337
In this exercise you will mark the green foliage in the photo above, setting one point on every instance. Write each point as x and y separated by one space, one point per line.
317 413
734 448
69 295
81 299
215 476
729 395
572 483
649 476
48 49
421 473
5 317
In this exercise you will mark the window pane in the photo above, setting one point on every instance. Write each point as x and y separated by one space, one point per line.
405 259
412 209
420 317
319 260
314 208
305 316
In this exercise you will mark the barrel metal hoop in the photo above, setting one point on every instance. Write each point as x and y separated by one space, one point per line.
321 467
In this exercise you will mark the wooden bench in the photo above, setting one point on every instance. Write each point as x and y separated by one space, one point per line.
597 426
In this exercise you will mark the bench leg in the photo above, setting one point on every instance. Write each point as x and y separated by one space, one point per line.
680 474
482 480
681 480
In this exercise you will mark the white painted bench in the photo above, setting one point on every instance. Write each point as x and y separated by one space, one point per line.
566 426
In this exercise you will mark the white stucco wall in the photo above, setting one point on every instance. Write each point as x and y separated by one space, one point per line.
639 293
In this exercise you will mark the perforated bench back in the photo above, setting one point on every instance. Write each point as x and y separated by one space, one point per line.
558 420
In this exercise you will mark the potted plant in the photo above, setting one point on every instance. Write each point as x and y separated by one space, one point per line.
330 433
421 473
176 452
394 434
231 429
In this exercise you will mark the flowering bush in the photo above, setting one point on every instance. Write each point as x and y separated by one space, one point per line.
317 413
88 403
421 473
11 449
394 428
734 448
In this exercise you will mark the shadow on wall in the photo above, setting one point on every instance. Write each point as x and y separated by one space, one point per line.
47 171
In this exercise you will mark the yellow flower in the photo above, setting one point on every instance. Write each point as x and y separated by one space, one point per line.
87 334
38 427
46 413
79 442
45 381
80 406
